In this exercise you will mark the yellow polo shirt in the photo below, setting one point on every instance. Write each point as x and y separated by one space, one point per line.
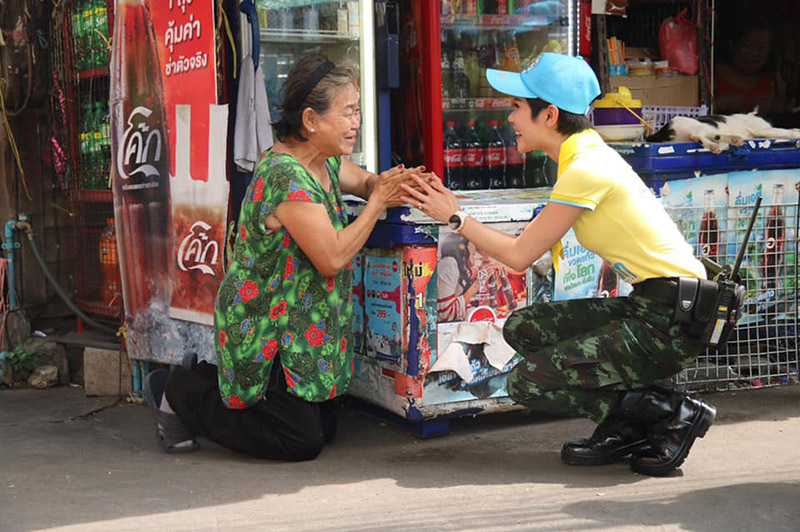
622 222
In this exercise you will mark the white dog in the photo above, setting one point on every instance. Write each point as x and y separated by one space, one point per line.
717 132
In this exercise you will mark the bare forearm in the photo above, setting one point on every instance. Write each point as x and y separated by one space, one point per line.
351 239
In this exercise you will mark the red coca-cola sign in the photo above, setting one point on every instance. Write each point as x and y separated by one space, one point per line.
453 158
495 157
473 157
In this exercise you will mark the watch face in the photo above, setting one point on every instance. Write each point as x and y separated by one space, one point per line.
454 222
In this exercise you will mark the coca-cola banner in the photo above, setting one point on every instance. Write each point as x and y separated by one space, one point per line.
169 184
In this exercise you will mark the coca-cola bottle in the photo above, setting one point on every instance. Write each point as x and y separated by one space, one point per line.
709 228
453 158
508 292
608 282
447 71
515 161
774 234
496 157
473 158
486 59
140 165
461 89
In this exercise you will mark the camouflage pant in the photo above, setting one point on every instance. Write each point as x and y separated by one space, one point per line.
579 355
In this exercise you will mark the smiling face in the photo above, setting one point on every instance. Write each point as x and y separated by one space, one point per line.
336 130
528 131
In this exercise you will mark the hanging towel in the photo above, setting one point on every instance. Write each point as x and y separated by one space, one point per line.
253 132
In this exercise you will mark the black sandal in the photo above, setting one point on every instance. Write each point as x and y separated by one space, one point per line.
170 431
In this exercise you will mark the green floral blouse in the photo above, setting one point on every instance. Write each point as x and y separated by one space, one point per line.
274 301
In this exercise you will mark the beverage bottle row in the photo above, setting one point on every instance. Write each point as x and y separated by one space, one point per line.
111 291
489 161
95 144
89 19
477 7
465 60
341 17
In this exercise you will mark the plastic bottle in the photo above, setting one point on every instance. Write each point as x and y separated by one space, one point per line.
353 20
709 228
485 53
447 71
515 161
97 145
511 60
284 18
103 118
109 265
89 36
607 282
76 19
341 19
506 290
496 156
469 7
774 235
101 33
311 19
86 140
453 158
472 68
460 80
473 158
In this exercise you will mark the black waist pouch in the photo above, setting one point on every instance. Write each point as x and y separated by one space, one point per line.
708 310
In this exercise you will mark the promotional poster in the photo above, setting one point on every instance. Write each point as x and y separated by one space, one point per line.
769 263
583 274
475 296
168 173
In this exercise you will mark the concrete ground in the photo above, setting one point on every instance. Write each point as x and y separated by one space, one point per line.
76 464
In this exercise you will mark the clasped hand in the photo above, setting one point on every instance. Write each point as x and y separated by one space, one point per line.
389 185
431 197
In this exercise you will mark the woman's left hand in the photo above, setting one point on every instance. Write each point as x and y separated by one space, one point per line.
432 198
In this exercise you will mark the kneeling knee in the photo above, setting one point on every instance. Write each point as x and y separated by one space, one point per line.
307 449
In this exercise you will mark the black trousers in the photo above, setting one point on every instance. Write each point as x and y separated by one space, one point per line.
279 427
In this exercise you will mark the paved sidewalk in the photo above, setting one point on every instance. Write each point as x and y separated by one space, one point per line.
63 467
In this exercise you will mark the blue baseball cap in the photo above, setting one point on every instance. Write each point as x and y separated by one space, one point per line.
567 82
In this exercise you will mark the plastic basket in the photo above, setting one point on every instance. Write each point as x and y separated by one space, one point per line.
658 116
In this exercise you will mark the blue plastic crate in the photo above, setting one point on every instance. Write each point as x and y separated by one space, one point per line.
658 162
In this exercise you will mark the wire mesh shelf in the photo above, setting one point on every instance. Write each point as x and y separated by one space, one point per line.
763 349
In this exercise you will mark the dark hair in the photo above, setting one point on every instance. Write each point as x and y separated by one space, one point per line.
568 123
456 246
319 99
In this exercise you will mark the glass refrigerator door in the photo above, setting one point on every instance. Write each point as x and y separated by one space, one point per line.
505 35
343 30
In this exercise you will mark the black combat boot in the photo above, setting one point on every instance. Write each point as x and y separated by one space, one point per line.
674 420
612 441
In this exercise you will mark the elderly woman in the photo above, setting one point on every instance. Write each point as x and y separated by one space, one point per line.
284 314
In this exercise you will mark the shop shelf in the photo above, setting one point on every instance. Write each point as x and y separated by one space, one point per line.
304 36
493 22
100 308
477 104
93 73
95 196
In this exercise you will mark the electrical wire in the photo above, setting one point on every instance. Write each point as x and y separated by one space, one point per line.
60 291
3 303
13 141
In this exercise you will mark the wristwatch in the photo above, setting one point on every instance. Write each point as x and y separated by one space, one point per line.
456 221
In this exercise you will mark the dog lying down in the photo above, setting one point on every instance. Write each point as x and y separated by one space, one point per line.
718 132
